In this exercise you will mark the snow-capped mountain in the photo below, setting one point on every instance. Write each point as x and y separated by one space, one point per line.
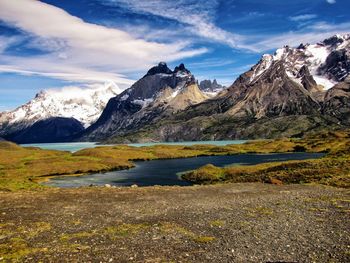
82 104
289 93
327 61
158 94
210 88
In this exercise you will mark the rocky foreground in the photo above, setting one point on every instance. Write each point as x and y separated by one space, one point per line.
219 223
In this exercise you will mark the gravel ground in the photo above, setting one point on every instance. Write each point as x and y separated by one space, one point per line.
219 223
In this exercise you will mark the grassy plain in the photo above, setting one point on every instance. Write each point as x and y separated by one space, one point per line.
333 169
22 168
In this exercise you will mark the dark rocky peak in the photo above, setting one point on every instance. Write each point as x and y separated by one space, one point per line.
162 67
307 80
181 68
303 46
337 65
40 94
156 79
335 40
208 85
304 71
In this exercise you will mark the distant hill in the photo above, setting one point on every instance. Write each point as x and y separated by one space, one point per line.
56 129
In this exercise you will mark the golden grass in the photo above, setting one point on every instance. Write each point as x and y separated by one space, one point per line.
333 169
22 168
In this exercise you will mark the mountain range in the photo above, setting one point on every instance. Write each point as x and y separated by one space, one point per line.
55 110
289 93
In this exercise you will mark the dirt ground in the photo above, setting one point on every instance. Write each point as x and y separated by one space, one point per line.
218 223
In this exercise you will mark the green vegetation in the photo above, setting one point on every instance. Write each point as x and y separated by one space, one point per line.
124 230
22 168
18 239
333 169
172 229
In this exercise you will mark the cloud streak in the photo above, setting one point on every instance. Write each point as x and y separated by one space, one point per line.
303 17
312 33
198 17
77 50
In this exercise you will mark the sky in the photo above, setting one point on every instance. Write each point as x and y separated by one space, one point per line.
57 43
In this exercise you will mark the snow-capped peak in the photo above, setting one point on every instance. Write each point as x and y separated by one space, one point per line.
84 104
314 56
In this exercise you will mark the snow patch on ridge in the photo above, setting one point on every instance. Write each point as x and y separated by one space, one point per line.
265 64
312 56
143 103
326 83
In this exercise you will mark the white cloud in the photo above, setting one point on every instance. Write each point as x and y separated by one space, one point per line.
211 63
6 42
80 51
302 17
197 15
331 1
311 34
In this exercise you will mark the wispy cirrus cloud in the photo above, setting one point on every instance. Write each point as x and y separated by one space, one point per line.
197 16
312 33
303 17
331 1
79 51
7 41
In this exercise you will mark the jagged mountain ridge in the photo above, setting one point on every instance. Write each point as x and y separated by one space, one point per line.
296 90
293 91
210 88
83 104
160 93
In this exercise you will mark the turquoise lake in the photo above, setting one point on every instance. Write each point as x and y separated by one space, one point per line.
76 146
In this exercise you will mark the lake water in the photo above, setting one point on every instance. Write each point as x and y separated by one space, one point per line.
76 146
167 172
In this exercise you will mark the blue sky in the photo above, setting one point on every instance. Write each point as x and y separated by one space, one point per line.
56 43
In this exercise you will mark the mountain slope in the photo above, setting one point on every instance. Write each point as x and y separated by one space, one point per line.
55 129
294 91
337 102
85 105
160 93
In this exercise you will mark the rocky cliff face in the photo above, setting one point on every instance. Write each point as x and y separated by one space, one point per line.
337 102
160 93
294 91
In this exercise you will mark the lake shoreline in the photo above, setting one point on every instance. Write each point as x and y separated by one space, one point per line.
170 176
77 146
21 167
